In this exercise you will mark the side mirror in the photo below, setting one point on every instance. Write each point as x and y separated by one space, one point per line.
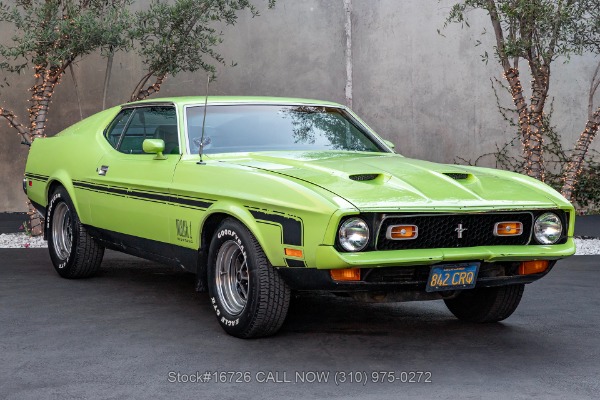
154 146
389 144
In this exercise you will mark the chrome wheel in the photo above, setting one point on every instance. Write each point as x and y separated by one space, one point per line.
248 296
62 231
232 277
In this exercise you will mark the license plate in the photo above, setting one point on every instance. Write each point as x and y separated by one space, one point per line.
452 277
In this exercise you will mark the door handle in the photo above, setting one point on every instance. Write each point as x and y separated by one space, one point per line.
102 170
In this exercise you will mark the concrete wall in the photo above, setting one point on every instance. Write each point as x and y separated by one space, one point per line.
429 94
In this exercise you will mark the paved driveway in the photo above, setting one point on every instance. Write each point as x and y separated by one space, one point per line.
128 333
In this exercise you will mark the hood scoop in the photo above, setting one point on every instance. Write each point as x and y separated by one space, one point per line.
457 175
364 177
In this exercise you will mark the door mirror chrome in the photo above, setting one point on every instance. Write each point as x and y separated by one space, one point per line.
154 146
389 144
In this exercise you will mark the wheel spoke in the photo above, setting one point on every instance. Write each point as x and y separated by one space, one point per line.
62 231
233 277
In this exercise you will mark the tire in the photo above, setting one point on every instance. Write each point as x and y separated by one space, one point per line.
74 253
486 304
247 294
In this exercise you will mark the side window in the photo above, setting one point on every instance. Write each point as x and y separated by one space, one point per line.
156 122
115 129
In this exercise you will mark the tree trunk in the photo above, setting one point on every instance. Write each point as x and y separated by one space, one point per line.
36 222
512 76
41 98
530 121
145 93
534 165
578 157
530 124
41 95
534 161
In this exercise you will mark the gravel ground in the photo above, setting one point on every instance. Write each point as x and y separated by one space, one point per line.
20 240
588 246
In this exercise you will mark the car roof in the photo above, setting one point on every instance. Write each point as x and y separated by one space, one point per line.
196 100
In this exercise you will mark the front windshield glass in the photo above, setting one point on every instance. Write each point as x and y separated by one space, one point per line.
251 128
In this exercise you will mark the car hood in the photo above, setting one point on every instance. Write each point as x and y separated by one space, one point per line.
373 181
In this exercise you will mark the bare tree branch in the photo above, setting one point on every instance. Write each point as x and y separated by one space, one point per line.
13 121
150 90
76 91
593 88
491 7
109 62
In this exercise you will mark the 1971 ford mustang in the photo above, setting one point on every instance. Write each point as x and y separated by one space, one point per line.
261 196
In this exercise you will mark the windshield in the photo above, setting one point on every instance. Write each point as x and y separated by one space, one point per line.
250 128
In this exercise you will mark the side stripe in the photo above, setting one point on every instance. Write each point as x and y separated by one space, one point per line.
37 177
187 202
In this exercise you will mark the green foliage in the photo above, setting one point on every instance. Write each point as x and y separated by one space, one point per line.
53 33
586 195
172 37
539 30
587 189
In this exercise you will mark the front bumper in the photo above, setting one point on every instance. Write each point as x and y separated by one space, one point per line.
401 279
327 257
408 270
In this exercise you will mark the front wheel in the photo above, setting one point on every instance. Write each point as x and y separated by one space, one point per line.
246 292
486 304
74 253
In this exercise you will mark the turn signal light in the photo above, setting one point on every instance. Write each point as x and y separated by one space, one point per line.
533 267
402 232
348 274
513 228
293 252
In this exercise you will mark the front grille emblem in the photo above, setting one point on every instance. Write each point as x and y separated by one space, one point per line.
460 230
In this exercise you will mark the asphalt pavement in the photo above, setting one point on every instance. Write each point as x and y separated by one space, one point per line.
587 225
12 222
139 331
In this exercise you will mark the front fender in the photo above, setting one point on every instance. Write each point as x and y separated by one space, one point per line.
268 236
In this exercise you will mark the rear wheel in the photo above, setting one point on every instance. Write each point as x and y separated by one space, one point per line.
246 292
74 253
486 304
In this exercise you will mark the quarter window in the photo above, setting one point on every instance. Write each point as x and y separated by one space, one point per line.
115 129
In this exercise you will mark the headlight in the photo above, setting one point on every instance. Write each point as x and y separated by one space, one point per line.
547 228
354 234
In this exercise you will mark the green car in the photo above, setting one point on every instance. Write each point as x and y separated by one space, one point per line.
262 196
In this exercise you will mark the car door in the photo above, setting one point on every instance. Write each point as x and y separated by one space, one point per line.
133 188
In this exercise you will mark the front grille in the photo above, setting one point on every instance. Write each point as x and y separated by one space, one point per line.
441 230
392 274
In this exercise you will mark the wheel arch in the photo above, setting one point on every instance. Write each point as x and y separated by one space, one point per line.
223 210
62 179
208 227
